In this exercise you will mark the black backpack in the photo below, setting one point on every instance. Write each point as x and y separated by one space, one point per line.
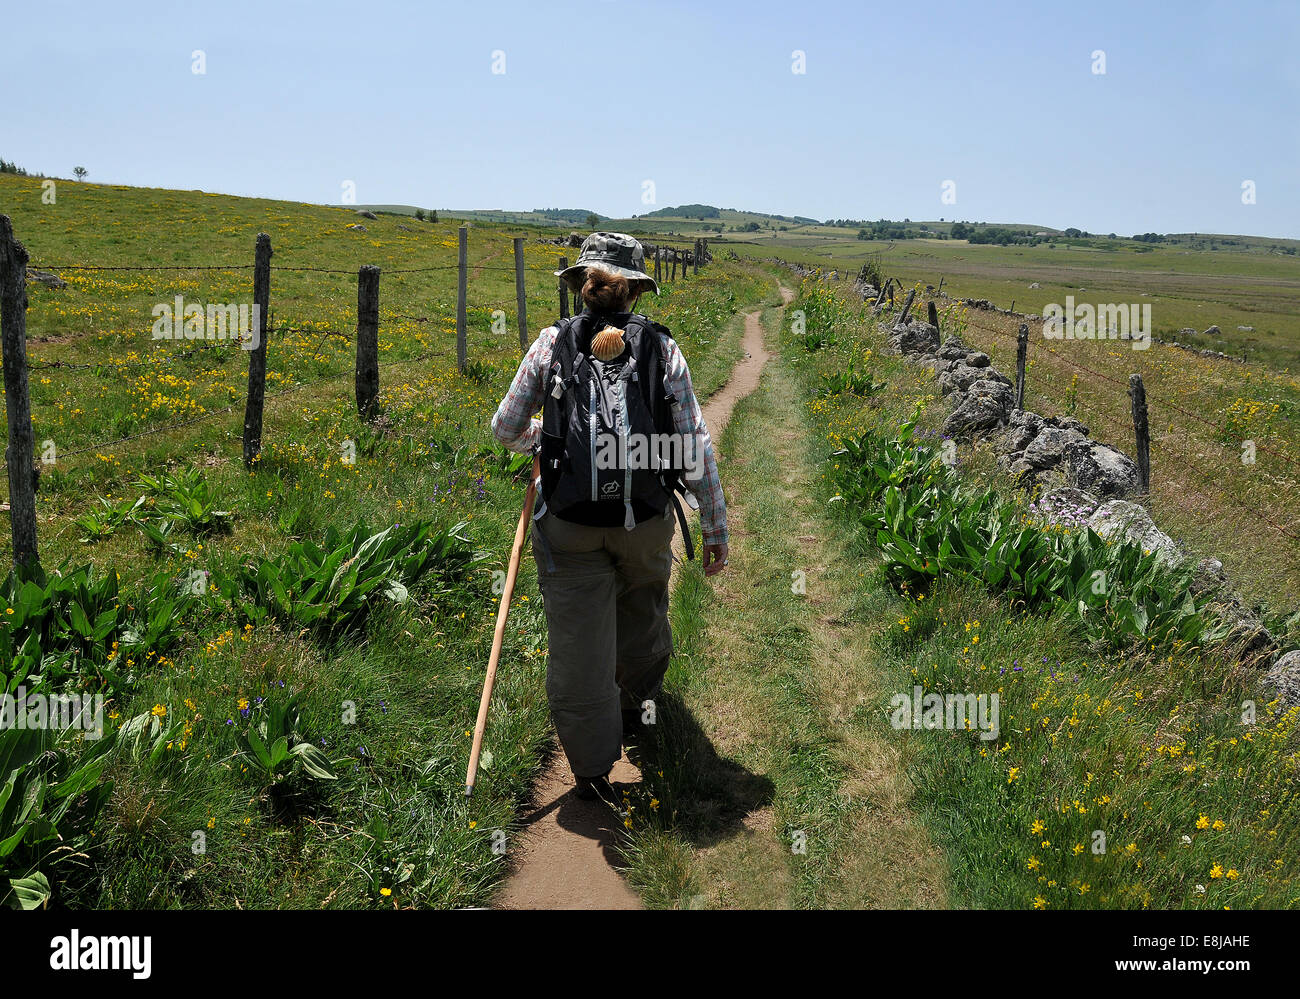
601 422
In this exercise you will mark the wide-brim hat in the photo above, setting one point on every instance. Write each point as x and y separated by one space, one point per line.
613 251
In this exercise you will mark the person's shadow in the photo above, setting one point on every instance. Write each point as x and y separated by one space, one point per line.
702 797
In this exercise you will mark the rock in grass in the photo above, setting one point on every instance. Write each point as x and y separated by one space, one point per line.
1099 469
1131 522
961 376
1284 678
984 407
915 339
1023 426
45 278
953 349
1049 447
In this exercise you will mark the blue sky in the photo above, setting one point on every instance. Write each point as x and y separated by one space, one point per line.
598 97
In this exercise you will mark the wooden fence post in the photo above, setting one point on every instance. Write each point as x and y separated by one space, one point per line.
932 313
674 274
1141 431
696 257
907 307
564 291
1022 353
521 297
20 455
657 273
367 339
257 356
462 291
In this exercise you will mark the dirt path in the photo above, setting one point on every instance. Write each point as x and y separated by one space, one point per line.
564 858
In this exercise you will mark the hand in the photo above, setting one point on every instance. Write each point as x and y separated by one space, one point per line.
714 559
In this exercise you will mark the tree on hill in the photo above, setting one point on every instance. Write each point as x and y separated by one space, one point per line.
80 172
593 220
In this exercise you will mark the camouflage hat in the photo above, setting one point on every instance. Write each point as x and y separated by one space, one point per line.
613 251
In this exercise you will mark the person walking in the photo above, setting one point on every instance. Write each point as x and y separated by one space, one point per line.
620 437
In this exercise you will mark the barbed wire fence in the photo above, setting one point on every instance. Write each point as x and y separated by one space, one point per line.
1140 406
20 455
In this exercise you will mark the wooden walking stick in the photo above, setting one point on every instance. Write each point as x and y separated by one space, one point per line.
481 724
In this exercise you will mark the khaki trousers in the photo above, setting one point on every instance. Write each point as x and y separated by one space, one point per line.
605 591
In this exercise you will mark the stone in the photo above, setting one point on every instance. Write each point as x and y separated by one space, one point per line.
1283 677
1049 447
978 359
1208 577
952 349
1131 522
1100 469
45 278
366 215
985 406
1212 331
961 376
1022 427
357 227
916 338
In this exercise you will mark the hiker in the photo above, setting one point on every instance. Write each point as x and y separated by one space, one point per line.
621 434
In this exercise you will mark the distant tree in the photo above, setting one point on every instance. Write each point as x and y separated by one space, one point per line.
1111 236
593 220
80 172
419 214
433 215
1072 233
960 230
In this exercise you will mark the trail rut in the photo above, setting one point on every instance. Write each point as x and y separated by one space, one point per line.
564 858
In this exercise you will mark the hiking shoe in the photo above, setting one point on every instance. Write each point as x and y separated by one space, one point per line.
593 788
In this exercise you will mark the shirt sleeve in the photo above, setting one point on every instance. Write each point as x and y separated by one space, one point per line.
688 420
514 424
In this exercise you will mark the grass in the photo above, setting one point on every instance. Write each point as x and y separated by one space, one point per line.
770 795
1140 746
392 703
1187 285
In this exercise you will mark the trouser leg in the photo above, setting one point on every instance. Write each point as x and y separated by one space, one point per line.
580 602
643 564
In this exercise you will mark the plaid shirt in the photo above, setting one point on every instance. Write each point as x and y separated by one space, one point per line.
515 426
